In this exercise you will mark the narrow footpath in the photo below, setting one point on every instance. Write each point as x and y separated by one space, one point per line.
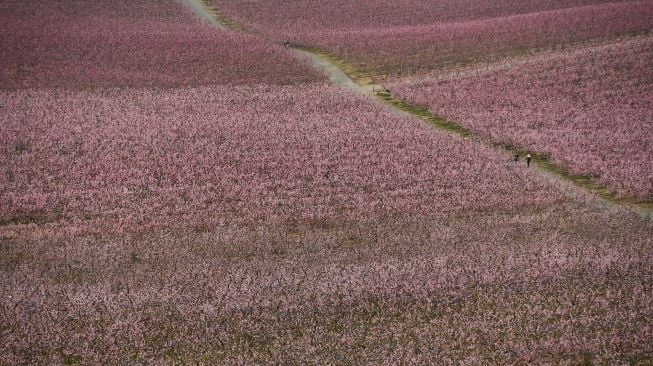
205 12
342 74
336 76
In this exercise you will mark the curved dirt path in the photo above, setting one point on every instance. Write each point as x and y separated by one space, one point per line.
339 71
336 76
207 14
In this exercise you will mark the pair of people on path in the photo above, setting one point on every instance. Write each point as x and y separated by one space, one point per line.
528 159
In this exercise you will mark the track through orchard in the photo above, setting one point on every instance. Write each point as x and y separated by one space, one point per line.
342 74
202 9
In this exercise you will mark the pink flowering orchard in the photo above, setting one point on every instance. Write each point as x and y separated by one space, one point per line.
590 110
137 45
341 15
413 37
131 160
175 194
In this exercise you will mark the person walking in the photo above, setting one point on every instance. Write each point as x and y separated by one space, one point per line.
515 157
528 160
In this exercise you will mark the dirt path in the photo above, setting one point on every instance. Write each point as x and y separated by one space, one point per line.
343 74
573 190
202 9
336 76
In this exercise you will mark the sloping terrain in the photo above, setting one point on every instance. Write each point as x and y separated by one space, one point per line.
590 110
413 37
254 215
73 44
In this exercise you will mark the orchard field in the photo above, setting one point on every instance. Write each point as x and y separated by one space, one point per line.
410 37
173 193
589 109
